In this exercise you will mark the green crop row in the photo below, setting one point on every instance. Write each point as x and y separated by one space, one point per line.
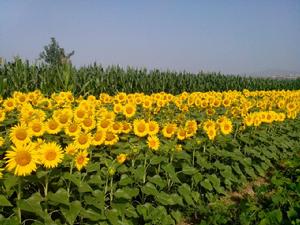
20 75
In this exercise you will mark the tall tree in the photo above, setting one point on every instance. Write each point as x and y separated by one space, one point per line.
53 54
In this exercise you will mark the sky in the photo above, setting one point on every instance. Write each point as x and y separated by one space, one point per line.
231 37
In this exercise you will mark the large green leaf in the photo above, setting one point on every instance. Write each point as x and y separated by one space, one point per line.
185 191
4 201
149 189
206 184
71 212
61 196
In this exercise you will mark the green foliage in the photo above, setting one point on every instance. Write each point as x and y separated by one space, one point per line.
54 55
94 79
196 184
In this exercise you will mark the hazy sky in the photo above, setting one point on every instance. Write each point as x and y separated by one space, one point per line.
228 36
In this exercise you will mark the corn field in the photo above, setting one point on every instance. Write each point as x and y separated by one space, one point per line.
94 79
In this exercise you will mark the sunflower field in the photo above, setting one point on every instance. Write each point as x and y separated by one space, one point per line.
230 157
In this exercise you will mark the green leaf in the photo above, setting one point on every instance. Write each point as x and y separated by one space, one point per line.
185 191
4 201
10 182
126 193
32 204
177 216
149 189
91 215
206 184
61 196
113 217
125 180
165 199
156 160
156 179
169 168
188 170
72 212
215 181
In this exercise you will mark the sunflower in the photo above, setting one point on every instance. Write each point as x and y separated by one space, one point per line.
71 149
51 154
23 159
169 130
88 123
9 104
208 124
153 142
36 128
111 138
126 127
79 114
248 120
72 129
83 140
118 108
153 127
211 133
2 115
129 110
181 134
104 124
226 127
20 134
147 103
1 174
121 158
140 128
81 159
52 126
1 141
99 137
63 116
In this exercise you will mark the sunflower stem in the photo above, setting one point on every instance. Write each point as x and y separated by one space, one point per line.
111 189
19 198
46 192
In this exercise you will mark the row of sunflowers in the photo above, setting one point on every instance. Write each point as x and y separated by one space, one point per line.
38 131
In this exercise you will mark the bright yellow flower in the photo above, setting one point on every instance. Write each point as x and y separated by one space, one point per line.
83 140
129 110
20 134
52 126
169 130
153 127
121 158
36 128
153 142
81 159
226 127
99 137
111 138
140 128
211 133
72 129
51 155
22 159
71 149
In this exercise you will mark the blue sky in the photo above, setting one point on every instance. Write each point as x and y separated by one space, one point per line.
230 36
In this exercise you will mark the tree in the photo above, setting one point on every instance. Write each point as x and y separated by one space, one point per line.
53 54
